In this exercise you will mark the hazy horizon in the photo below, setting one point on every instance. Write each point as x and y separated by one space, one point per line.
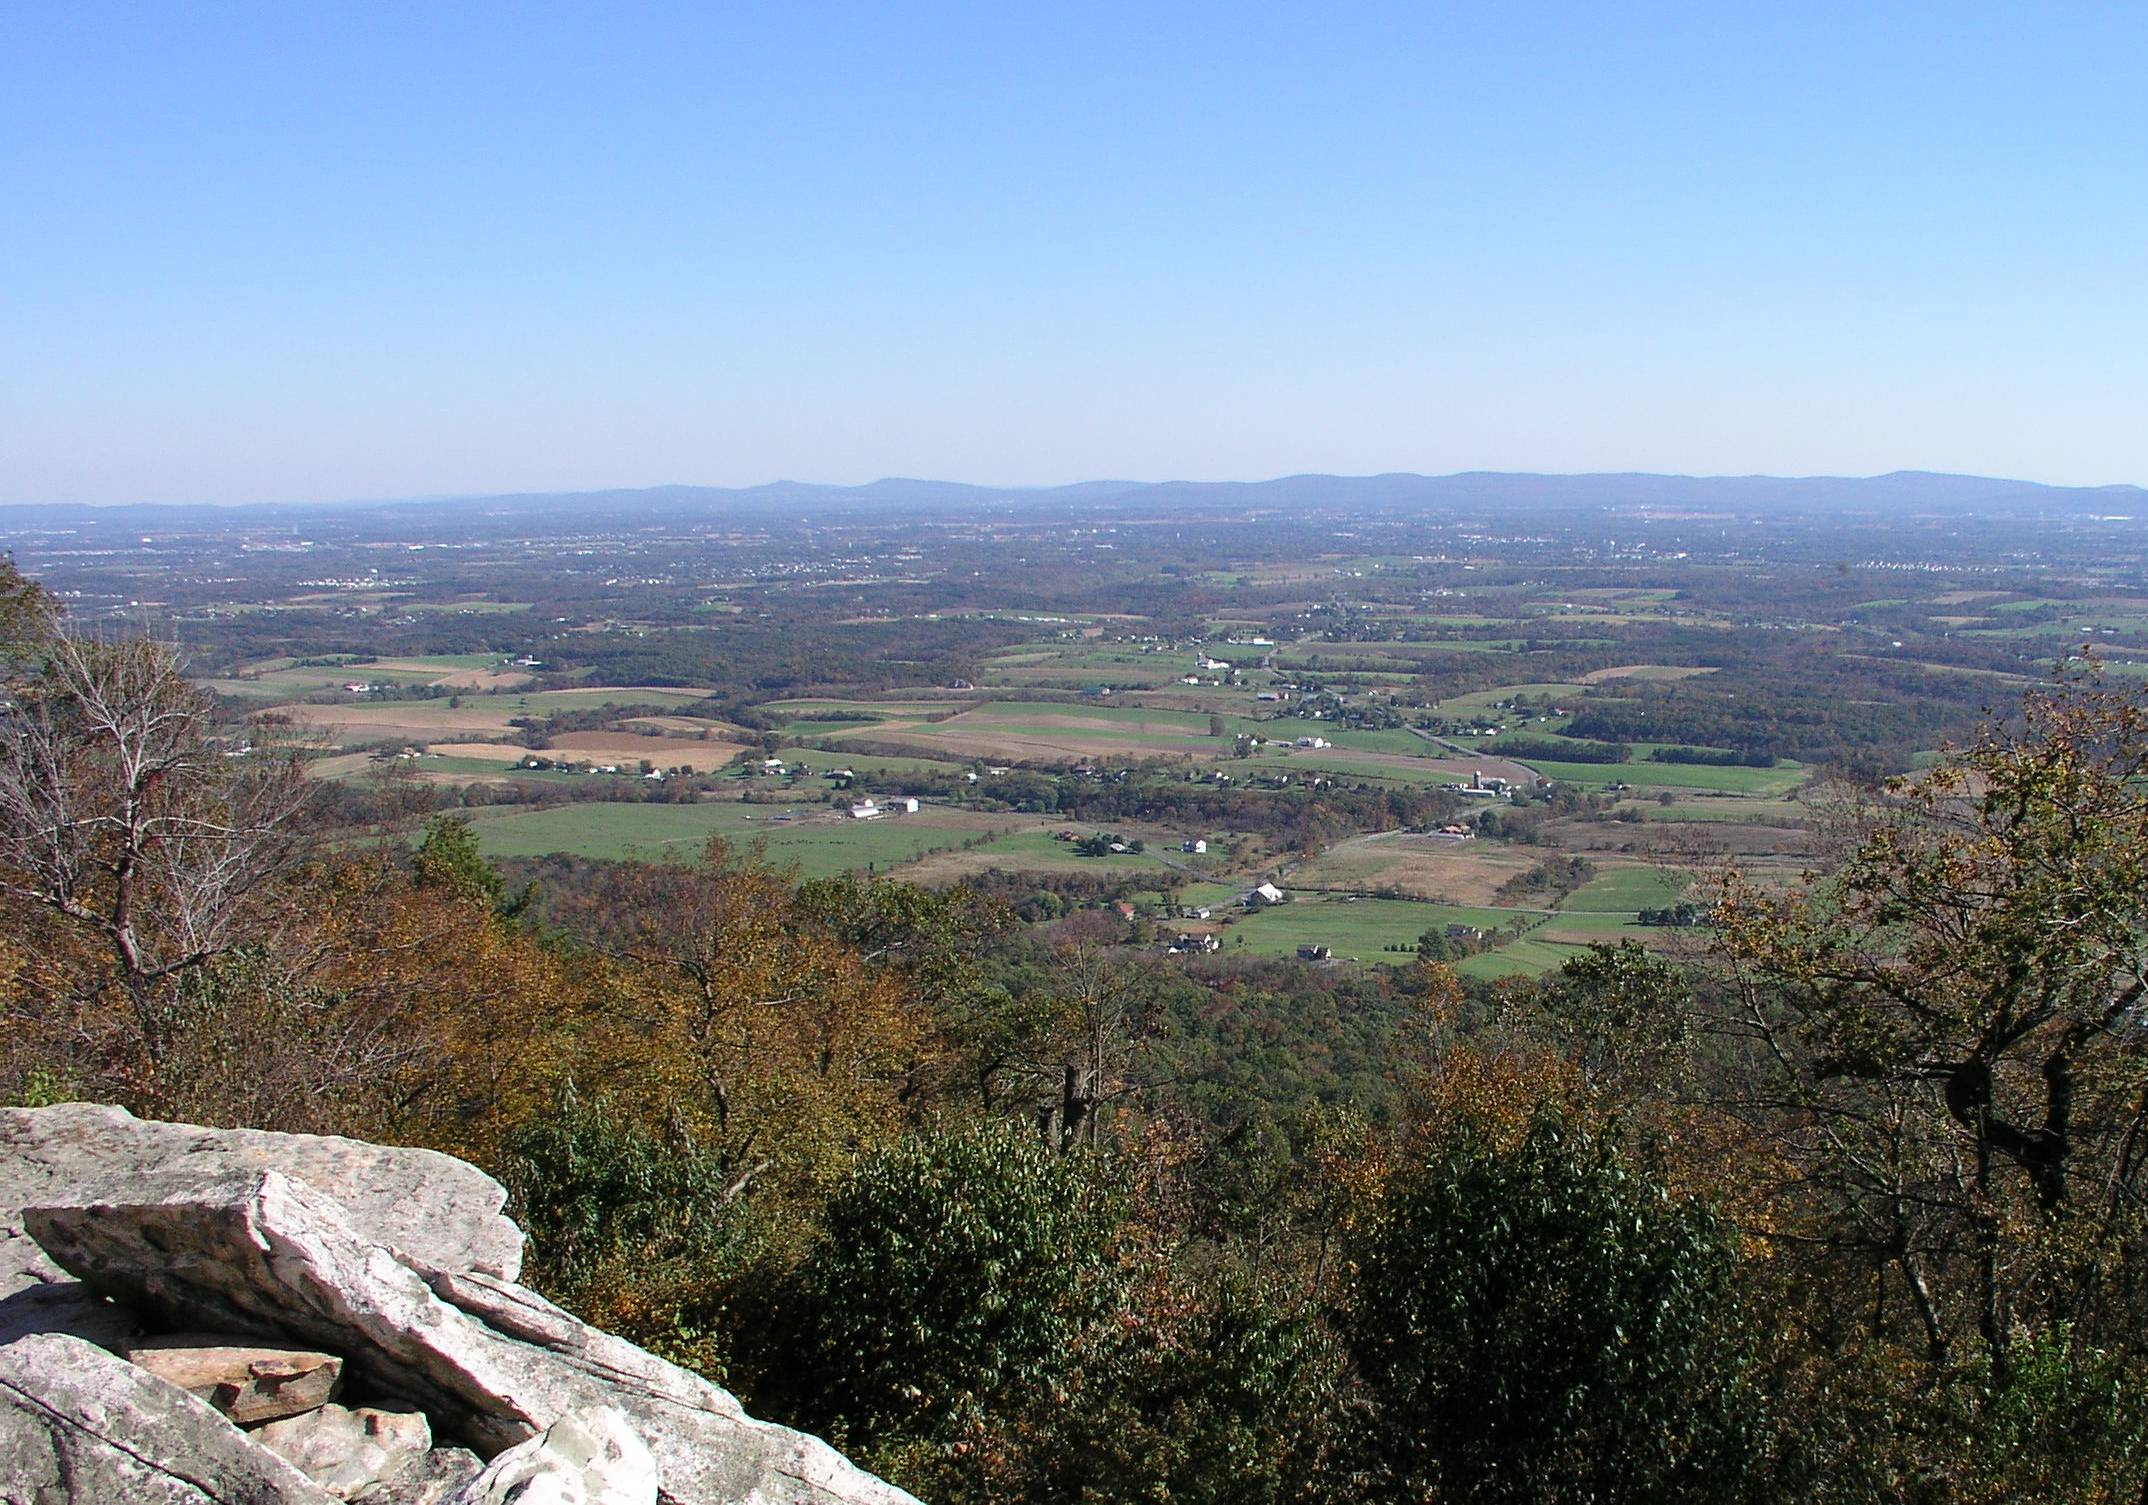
1132 484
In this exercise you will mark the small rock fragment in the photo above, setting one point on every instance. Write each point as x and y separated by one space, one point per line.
248 1380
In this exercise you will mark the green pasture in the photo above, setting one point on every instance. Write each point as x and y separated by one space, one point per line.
1527 957
1483 700
1456 620
1032 677
818 846
447 663
2033 603
1214 895
1386 739
1020 715
1337 763
1351 928
1041 851
284 680
869 766
1628 889
1777 780
1730 808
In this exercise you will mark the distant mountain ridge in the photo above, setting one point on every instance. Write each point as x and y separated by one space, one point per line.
1918 491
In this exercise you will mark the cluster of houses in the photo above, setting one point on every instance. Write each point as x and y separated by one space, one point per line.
1481 787
871 809
538 762
776 768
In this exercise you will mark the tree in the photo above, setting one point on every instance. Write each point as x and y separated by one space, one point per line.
737 1010
955 1274
629 1227
1620 1014
1946 1044
448 859
133 836
1546 1323
1100 1015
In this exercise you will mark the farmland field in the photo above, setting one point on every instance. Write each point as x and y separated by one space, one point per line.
1527 957
1730 780
1017 731
1035 849
476 718
1427 867
817 841
1628 889
1359 928
664 752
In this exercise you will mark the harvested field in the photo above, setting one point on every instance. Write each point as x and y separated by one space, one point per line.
398 721
1052 734
1424 867
664 752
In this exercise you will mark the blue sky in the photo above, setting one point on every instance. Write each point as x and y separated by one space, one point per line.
337 250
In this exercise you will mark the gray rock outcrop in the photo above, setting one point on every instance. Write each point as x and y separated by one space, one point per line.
429 1205
353 1452
589 1457
432 1206
195 1234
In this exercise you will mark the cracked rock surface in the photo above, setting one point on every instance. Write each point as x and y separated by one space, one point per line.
447 1363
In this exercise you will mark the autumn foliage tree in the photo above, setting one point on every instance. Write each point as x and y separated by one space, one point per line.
1942 1045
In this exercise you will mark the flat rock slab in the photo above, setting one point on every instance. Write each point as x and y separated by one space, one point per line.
246 1380
431 1206
80 1427
490 1363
